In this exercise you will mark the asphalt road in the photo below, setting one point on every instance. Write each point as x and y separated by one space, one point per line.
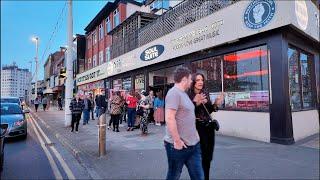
35 158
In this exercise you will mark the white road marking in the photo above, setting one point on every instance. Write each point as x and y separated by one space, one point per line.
53 165
56 153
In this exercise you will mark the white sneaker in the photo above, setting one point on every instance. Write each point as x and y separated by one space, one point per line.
158 124
108 127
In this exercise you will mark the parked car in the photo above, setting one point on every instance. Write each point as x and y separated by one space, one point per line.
12 100
3 132
13 115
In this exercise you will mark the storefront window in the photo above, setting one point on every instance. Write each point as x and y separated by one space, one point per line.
300 79
245 78
117 84
162 80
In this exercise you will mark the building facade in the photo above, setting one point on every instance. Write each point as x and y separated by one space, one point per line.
265 61
114 32
15 81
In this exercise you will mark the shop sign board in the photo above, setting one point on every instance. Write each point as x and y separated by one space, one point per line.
152 53
92 75
259 13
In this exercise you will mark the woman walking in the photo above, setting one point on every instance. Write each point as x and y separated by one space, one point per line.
36 104
132 105
159 109
205 126
116 104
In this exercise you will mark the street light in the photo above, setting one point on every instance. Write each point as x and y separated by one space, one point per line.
36 40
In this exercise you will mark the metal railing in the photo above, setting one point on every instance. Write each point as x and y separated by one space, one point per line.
184 13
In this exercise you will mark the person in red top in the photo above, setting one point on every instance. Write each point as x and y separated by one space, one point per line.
132 105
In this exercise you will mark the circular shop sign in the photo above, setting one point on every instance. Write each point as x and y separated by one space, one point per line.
302 14
259 13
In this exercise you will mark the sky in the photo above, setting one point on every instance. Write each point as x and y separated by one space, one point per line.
21 20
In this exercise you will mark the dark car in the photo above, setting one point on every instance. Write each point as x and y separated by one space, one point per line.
3 132
13 115
12 100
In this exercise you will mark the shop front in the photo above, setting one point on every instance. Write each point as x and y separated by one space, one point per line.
268 68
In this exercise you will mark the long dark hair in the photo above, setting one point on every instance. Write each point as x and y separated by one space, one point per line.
194 77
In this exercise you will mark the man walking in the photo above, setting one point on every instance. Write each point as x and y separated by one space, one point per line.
86 110
76 107
92 106
182 139
44 103
60 103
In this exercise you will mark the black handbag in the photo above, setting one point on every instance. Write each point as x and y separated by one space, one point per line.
212 123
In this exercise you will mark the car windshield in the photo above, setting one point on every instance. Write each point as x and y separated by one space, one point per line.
10 109
7 100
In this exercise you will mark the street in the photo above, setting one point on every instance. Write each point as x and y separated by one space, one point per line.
35 158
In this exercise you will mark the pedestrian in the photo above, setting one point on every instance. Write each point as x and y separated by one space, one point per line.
92 106
98 105
151 108
60 103
182 139
206 127
143 112
76 108
116 104
36 103
159 109
86 110
132 105
44 103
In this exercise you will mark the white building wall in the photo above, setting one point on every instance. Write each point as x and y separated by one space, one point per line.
14 82
305 123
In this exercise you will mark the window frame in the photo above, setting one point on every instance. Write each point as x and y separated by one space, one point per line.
108 24
101 32
313 86
116 13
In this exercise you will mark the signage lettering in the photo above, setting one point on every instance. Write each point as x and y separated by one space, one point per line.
152 53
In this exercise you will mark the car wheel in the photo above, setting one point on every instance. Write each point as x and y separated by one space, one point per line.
1 163
25 135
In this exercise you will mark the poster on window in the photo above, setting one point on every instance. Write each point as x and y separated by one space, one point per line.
126 84
139 83
117 84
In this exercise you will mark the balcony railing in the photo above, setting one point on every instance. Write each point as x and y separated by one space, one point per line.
184 13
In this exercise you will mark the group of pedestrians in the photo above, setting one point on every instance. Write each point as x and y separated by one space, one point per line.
38 101
85 106
190 130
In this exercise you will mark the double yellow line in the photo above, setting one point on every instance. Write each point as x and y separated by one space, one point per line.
45 140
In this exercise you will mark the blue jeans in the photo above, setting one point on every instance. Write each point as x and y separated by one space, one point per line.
131 116
97 111
86 116
190 156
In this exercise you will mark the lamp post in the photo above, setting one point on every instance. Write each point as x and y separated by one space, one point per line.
69 68
36 40
30 87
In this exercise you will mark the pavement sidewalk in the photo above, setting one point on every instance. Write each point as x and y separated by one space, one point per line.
132 156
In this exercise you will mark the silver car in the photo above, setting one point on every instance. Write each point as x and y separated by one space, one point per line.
13 115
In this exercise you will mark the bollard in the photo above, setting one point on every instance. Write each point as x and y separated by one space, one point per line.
102 134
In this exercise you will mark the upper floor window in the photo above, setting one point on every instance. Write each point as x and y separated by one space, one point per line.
100 57
94 61
116 18
94 37
108 24
160 4
89 42
108 54
100 31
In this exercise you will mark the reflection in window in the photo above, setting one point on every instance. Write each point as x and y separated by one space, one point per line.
300 78
245 78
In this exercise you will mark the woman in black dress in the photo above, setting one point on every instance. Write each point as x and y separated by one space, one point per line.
206 128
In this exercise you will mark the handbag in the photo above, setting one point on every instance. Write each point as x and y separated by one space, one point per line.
212 123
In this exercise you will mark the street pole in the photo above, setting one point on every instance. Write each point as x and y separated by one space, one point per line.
69 68
36 39
30 87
